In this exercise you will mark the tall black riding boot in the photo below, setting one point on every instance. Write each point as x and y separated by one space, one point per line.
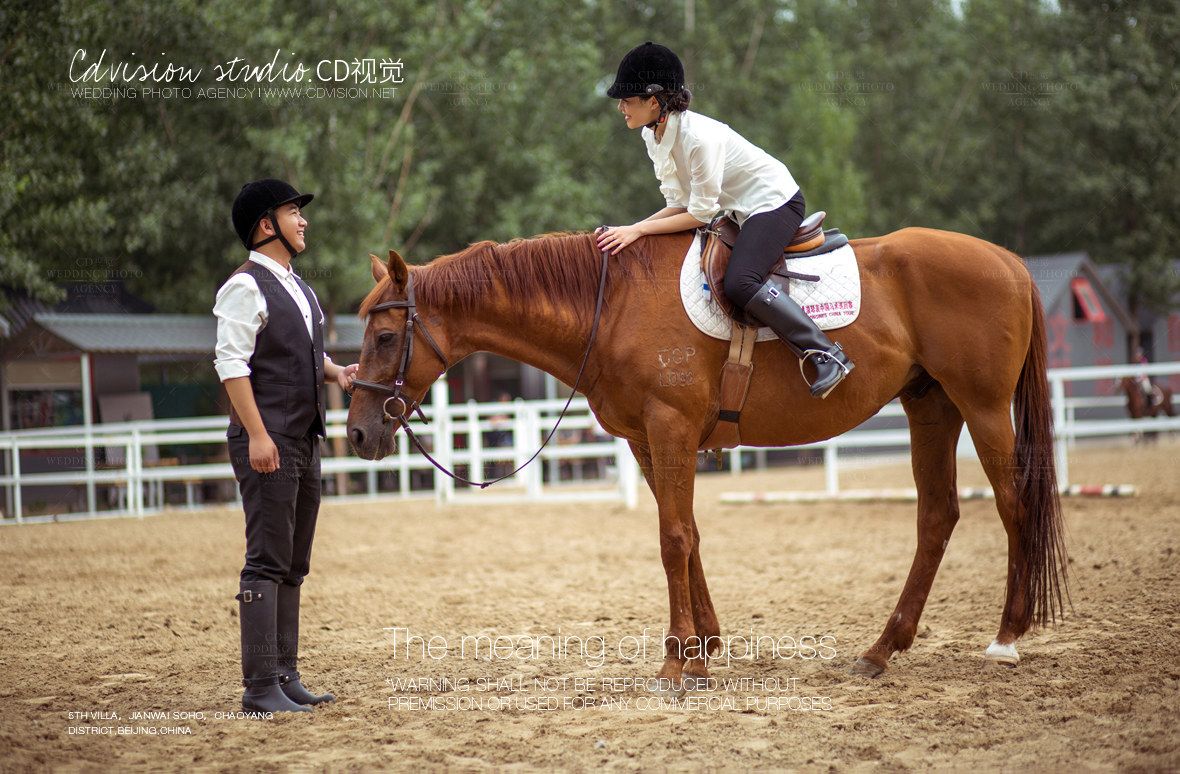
288 629
774 308
258 602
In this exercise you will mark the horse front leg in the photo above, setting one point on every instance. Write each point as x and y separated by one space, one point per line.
671 476
705 624
708 629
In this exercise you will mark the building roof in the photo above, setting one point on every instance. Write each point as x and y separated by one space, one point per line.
1053 273
157 333
160 333
20 311
110 297
1115 275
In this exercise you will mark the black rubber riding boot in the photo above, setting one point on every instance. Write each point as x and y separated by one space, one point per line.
288 630
257 604
773 307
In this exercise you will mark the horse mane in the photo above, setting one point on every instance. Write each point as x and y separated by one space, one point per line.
561 269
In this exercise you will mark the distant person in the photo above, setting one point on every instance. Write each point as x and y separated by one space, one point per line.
270 355
1143 381
705 167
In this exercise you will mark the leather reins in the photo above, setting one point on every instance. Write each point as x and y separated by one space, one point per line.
408 407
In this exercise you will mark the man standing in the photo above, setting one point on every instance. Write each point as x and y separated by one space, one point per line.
270 355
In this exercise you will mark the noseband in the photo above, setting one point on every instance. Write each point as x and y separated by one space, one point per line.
406 407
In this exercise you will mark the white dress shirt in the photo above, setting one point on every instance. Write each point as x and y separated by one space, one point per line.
706 167
241 312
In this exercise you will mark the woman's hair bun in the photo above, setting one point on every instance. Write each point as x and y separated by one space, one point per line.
674 100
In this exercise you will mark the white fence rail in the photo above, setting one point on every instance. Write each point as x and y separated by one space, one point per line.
1067 427
140 486
523 424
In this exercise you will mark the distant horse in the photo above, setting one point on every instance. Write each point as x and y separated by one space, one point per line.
1138 406
951 324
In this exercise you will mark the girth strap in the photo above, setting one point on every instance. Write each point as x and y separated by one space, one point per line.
735 385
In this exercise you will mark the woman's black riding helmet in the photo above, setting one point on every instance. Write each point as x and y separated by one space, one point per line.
259 200
646 71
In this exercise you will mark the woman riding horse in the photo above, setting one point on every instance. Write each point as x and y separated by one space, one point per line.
705 167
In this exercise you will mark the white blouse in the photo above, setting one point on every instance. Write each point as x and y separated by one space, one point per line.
706 167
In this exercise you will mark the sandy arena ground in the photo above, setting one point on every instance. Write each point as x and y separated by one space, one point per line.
117 617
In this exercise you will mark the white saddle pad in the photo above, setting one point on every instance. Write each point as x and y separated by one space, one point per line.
833 302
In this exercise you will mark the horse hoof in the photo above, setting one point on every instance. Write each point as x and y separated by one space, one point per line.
866 668
693 682
663 686
1000 655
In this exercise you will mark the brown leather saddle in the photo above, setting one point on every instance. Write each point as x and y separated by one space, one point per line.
720 235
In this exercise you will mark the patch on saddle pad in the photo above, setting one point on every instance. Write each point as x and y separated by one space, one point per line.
833 302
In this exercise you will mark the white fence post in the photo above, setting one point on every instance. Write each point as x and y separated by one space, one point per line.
88 421
533 473
519 433
1070 416
628 473
474 444
135 473
831 467
403 465
16 496
444 485
1062 429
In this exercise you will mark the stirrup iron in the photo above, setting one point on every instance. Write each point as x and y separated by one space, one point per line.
824 356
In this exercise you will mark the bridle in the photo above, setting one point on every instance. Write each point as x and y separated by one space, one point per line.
408 407
405 407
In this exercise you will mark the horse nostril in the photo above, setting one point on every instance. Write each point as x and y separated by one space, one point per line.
358 437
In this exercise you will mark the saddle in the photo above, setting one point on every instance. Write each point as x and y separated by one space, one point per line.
720 235
736 374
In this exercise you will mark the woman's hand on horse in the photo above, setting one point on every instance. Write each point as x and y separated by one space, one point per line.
615 238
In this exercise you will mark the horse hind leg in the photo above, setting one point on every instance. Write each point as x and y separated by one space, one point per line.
995 443
935 424
1023 476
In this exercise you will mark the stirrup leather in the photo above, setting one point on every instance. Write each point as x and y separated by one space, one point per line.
824 356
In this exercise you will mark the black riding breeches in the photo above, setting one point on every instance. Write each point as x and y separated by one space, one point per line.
759 245
281 507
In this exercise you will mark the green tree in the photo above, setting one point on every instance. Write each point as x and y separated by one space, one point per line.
1119 165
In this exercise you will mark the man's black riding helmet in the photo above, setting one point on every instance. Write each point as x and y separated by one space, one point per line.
258 200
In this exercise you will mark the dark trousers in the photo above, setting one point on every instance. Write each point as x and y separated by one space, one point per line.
759 245
281 507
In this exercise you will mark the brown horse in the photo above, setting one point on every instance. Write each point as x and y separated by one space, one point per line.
1138 407
951 324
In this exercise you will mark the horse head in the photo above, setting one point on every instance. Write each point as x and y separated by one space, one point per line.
400 359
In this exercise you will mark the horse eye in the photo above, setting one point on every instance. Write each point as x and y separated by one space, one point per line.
385 338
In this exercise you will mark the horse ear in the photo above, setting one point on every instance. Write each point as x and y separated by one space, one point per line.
379 270
397 270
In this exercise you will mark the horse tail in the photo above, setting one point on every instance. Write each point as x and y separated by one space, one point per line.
1042 529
